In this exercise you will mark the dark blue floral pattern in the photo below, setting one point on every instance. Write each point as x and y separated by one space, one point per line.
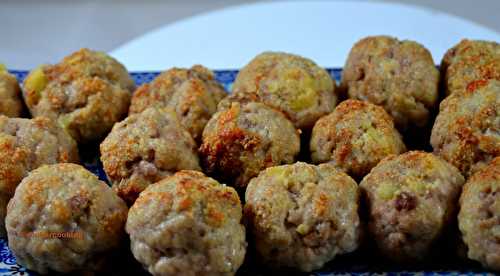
8 265
144 77
5 254
90 158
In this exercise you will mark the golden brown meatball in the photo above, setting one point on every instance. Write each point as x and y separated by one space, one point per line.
62 218
11 104
479 217
302 215
290 83
467 129
87 92
469 65
241 141
187 224
193 93
355 137
98 64
411 199
145 148
398 75
24 146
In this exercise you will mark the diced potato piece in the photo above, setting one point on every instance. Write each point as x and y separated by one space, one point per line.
304 100
36 81
302 229
387 191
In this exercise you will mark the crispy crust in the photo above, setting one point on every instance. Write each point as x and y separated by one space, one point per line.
411 199
355 137
64 198
467 129
298 87
25 145
469 65
98 64
145 148
188 224
479 217
193 93
10 95
398 75
241 141
86 93
302 215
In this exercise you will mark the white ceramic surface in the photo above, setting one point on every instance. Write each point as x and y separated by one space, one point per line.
323 31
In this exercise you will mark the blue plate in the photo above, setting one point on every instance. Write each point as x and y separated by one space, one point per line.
351 265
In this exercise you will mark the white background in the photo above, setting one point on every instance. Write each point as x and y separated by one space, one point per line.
36 31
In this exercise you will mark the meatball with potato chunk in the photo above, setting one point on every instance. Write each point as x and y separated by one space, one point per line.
302 216
86 93
411 200
298 87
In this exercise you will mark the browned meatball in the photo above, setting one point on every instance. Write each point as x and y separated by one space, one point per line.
470 64
241 141
97 64
187 224
398 75
411 199
467 130
145 148
355 137
87 92
193 93
302 215
479 217
62 218
25 145
290 83
10 94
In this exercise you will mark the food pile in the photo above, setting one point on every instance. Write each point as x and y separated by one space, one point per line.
289 169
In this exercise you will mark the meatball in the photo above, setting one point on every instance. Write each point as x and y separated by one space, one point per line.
26 144
398 75
479 217
302 215
87 92
467 129
145 148
241 141
187 224
411 199
63 218
10 95
293 84
95 63
355 137
193 93
470 64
